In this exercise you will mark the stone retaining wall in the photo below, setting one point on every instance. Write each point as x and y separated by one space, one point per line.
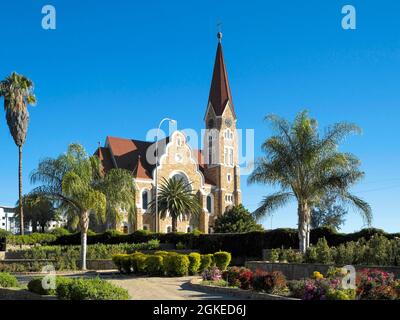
295 271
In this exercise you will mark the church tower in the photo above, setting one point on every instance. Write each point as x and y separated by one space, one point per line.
221 139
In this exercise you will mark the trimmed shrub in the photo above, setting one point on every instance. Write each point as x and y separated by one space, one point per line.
206 261
154 265
222 259
7 280
324 253
176 265
90 289
194 263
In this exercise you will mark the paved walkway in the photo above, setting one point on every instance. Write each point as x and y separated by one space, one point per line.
144 288
162 288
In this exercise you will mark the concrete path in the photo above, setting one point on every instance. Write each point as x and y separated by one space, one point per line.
162 288
143 288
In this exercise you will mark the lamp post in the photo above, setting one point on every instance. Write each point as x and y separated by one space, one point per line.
171 121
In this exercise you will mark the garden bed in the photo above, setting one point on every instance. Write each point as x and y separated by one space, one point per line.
295 271
236 292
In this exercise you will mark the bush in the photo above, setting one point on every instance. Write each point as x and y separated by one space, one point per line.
206 261
194 263
270 282
7 280
213 274
154 265
222 259
176 265
324 253
297 288
373 284
92 289
58 232
36 285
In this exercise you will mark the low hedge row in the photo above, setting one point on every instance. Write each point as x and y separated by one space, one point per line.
378 250
80 289
239 244
171 264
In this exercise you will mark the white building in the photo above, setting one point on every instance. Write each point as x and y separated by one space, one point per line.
7 220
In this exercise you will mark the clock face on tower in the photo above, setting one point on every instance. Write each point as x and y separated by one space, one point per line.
228 122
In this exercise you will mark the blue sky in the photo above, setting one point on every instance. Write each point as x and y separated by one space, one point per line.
118 67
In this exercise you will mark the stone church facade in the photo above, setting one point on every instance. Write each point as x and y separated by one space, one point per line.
212 173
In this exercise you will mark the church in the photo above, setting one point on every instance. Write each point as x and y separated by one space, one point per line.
212 173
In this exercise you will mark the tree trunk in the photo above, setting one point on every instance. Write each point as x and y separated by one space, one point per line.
174 224
304 238
84 224
21 210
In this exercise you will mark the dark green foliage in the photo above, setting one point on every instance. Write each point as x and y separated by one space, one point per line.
36 286
7 280
176 265
154 265
222 260
90 289
236 219
194 263
206 261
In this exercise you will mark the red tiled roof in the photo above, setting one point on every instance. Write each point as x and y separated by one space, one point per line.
105 158
131 155
220 92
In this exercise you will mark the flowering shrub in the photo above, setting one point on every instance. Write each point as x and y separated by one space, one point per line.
239 277
213 274
270 282
317 275
376 284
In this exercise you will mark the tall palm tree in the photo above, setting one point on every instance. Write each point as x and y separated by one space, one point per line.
176 199
72 180
306 167
17 91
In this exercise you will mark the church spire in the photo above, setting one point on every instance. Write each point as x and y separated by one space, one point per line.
220 92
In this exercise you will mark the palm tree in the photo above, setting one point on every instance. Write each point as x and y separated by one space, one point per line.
306 167
72 180
17 91
119 188
176 199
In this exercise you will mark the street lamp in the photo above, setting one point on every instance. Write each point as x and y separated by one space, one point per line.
171 121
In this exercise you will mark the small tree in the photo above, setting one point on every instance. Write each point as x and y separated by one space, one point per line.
328 213
236 219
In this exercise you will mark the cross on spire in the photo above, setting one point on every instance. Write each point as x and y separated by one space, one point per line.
219 28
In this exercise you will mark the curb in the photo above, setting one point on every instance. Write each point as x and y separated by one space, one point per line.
236 292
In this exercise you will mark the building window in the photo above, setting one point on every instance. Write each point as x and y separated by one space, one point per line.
229 198
228 134
145 199
169 229
209 203
229 177
228 156
146 227
189 229
210 149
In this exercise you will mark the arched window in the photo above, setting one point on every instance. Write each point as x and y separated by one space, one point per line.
209 203
210 149
189 229
169 229
145 199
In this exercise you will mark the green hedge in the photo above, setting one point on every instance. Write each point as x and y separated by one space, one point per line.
170 264
239 245
7 280
378 250
90 289
36 286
